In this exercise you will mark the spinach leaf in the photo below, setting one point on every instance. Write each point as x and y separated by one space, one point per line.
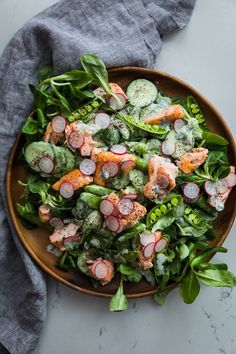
149 276
202 257
94 66
189 288
215 166
216 277
30 126
118 301
183 252
131 273
214 139
160 297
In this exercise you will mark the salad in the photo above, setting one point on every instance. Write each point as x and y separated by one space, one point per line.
127 181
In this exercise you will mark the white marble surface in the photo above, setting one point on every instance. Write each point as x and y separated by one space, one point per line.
204 54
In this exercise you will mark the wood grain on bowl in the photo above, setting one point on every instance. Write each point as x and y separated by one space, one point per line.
35 241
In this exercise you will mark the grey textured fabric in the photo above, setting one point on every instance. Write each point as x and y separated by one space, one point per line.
124 32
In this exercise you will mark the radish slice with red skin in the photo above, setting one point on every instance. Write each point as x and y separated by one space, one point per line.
210 188
75 140
146 238
102 120
130 196
231 179
222 186
162 181
106 207
119 103
191 191
127 165
149 249
66 190
46 164
118 149
120 228
178 124
113 223
168 147
87 167
58 124
110 169
125 206
100 270
56 223
160 245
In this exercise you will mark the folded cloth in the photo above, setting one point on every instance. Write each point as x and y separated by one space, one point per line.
122 32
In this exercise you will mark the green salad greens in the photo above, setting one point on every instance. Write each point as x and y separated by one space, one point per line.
126 182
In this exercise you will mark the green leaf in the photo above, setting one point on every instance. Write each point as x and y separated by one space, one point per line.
183 252
221 266
216 277
160 297
93 65
30 126
118 301
214 139
202 257
132 274
189 288
45 72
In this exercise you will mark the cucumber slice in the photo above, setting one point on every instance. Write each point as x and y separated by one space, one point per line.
70 159
60 159
141 92
35 151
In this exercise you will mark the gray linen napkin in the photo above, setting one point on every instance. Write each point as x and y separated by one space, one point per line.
124 32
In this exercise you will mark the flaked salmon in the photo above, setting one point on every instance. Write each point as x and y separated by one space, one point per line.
190 161
169 113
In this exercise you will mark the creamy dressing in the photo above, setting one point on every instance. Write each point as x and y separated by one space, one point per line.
160 261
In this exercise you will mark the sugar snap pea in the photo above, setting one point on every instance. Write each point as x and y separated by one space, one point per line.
98 190
152 129
161 210
195 111
84 110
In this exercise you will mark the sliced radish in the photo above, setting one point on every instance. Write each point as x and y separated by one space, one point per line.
210 188
106 207
66 190
162 180
87 167
56 223
72 239
118 149
113 223
100 270
146 238
127 165
231 179
121 227
58 124
119 103
75 140
110 169
46 164
125 206
160 245
130 196
168 147
102 120
222 186
191 191
148 250
178 124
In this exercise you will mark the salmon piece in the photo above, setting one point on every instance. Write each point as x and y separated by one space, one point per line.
51 137
45 213
59 235
76 178
222 197
114 88
110 267
160 166
146 262
169 113
190 161
133 218
106 156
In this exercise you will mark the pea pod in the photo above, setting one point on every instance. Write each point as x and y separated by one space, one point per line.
195 111
92 200
98 190
193 218
152 129
83 111
161 210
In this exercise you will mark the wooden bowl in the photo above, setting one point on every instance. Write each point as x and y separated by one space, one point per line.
35 241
